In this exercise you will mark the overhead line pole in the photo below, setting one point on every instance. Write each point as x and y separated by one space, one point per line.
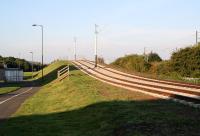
95 50
42 53
145 55
75 41
196 37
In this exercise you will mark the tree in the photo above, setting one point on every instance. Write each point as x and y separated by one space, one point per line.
154 57
10 62
1 61
133 62
13 62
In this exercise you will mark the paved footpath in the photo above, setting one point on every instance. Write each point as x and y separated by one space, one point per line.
9 103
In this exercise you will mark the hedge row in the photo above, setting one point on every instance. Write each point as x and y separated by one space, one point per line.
183 62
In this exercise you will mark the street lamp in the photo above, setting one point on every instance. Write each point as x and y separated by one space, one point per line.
32 63
41 26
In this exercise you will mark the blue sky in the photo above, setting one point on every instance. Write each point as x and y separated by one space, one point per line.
126 27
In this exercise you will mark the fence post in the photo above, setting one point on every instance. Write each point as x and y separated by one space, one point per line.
68 72
62 73
58 74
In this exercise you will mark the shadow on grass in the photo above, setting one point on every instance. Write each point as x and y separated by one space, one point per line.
30 77
114 118
38 82
52 75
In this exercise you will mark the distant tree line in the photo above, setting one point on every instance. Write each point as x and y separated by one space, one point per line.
183 63
12 62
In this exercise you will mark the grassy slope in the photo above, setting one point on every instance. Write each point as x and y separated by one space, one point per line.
28 75
47 70
82 106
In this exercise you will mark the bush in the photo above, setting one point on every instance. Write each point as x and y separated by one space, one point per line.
133 62
154 57
164 67
184 62
187 61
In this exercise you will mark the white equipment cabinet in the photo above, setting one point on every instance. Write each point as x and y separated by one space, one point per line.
13 75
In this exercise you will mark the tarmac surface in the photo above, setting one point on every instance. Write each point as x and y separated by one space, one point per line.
10 102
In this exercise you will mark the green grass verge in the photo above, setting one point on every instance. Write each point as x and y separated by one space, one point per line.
83 106
9 89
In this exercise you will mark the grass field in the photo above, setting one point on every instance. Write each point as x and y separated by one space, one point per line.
83 106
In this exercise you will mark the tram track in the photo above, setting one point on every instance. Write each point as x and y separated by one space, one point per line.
184 93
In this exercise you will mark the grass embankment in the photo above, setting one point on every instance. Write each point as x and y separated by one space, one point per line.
83 106
28 75
52 68
49 75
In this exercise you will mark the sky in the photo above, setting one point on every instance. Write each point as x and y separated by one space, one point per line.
125 27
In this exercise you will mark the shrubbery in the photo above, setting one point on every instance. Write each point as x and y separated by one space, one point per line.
187 61
154 57
184 62
133 62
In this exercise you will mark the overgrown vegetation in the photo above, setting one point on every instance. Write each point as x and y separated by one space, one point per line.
154 57
183 63
83 106
133 62
187 61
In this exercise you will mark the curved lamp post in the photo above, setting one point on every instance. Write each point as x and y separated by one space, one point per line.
41 26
